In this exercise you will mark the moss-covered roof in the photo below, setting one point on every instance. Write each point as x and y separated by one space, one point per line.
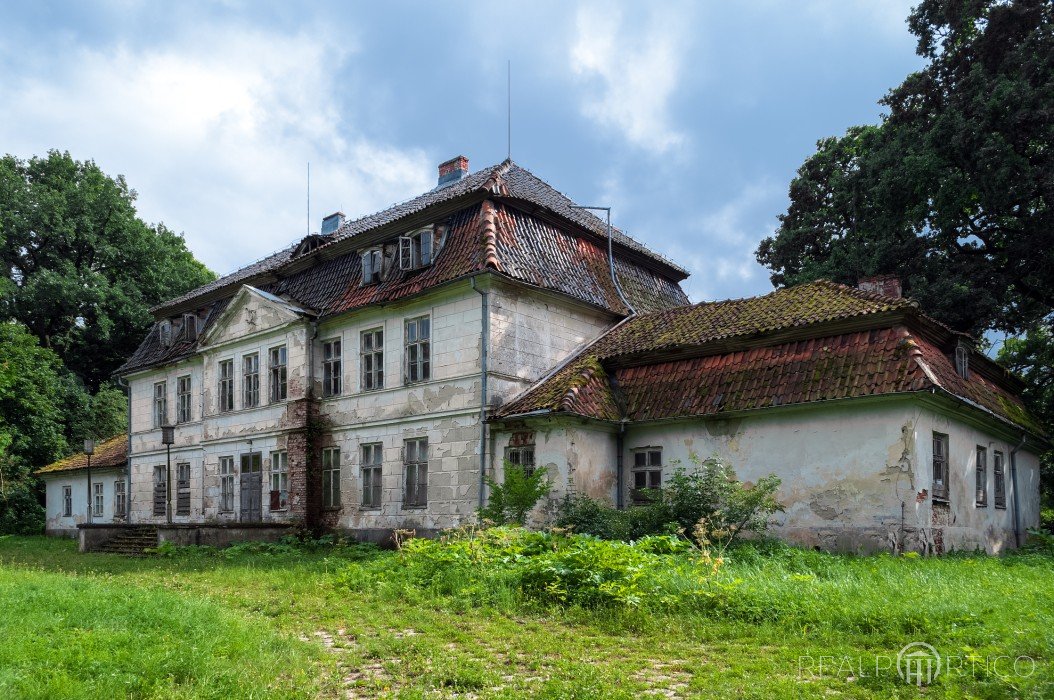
110 453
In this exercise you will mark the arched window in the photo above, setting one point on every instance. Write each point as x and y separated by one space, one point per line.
962 360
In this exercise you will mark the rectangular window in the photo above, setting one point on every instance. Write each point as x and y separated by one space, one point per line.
160 404
415 466
371 352
1000 480
183 488
646 472
372 458
251 380
418 360
183 399
371 266
276 364
940 466
331 368
279 480
982 476
226 388
522 455
160 490
67 501
227 484
415 250
97 499
331 477
120 504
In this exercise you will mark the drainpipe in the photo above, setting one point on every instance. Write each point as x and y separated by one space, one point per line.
484 342
620 442
1013 485
308 446
611 257
122 382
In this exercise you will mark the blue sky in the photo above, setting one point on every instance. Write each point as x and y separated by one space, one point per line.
689 120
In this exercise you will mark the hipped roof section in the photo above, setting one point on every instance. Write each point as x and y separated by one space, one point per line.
108 454
814 342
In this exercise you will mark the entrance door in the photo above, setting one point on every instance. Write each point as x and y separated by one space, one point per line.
251 488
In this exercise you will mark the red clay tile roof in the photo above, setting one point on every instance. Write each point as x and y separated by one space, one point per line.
108 454
645 368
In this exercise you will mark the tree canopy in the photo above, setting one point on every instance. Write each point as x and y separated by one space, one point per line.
81 268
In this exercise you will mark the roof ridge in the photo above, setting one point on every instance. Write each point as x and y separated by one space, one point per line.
489 230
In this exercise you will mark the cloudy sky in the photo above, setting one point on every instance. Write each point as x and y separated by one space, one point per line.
689 120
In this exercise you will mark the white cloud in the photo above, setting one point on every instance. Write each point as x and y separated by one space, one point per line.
630 71
215 132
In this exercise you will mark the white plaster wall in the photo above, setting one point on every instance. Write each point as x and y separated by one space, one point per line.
55 522
142 492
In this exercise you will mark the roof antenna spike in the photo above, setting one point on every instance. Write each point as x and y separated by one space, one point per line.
508 90
308 198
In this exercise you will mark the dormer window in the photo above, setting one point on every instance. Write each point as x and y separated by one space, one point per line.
190 327
371 266
962 360
415 250
164 333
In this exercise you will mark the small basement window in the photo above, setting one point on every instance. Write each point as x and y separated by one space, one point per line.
415 250
646 474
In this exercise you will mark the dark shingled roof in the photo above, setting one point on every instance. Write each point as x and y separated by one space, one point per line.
108 454
713 358
495 235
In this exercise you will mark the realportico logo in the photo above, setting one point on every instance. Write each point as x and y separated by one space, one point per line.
918 664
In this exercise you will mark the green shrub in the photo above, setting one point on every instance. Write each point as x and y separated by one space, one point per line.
512 499
20 510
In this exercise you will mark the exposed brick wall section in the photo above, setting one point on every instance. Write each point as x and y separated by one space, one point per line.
305 488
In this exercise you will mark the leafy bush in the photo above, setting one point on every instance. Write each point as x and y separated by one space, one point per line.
20 509
707 502
513 498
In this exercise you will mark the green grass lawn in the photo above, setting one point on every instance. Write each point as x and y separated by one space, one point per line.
796 624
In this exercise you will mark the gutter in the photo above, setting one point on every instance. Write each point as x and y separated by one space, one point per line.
484 342
123 383
620 443
1013 485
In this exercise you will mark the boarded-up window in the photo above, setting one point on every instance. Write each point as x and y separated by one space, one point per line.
279 480
183 399
940 466
160 490
372 459
226 387
251 380
418 350
646 473
982 476
67 501
331 477
415 466
183 488
371 353
331 368
1000 480
276 364
227 484
160 404
120 502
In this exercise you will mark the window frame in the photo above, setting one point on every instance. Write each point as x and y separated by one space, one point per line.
981 477
373 355
278 480
371 469
331 478
227 474
415 473
372 266
419 346
999 474
251 380
67 501
120 499
412 249
962 360
160 404
184 410
648 464
939 462
277 373
332 367
515 454
225 388
182 488
98 499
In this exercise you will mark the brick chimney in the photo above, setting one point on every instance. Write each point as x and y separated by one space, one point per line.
886 285
453 170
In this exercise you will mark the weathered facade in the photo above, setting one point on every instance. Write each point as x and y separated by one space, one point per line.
368 377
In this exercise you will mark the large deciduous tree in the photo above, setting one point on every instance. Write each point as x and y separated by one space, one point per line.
81 270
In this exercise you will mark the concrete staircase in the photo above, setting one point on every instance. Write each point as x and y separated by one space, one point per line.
131 541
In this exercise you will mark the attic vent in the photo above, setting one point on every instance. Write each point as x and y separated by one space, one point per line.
307 245
164 333
190 327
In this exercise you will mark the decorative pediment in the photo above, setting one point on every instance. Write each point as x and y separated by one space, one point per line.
250 312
